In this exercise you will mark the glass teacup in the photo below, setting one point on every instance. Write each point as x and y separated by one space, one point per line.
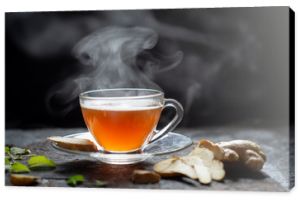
124 120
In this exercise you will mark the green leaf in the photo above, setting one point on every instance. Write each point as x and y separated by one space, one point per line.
40 162
19 151
75 180
7 160
7 149
99 183
18 167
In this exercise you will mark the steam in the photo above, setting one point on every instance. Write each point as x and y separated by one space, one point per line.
215 47
111 58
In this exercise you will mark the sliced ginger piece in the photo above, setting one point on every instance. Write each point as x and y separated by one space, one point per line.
174 167
23 180
217 170
78 144
182 168
199 164
201 169
206 167
162 167
203 153
218 152
203 174
145 177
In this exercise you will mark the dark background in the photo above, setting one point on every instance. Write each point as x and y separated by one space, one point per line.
235 66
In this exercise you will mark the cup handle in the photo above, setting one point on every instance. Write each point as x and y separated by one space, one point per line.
173 123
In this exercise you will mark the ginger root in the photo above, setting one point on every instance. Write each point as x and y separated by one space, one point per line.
205 161
245 152
145 177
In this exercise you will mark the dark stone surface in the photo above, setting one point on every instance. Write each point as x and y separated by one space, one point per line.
274 176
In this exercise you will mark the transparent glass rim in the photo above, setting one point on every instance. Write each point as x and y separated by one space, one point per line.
156 93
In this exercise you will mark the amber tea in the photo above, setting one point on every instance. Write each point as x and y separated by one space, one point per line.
123 129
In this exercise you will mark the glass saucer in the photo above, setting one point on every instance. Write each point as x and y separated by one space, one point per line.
169 143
